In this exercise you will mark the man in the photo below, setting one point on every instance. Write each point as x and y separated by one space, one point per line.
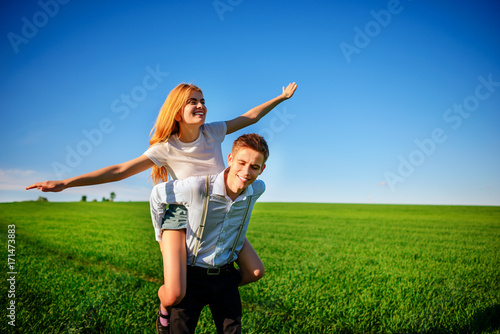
213 242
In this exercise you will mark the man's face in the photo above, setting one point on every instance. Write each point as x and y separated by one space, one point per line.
245 165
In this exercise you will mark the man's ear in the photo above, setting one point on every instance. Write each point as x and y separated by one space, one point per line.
230 158
263 167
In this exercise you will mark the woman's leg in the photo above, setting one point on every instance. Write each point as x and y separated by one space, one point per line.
251 267
173 249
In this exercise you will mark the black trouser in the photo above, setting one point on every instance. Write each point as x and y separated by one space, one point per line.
219 292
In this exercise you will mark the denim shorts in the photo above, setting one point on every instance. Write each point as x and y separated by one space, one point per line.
175 218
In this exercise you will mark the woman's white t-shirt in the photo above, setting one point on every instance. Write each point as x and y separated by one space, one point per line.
198 158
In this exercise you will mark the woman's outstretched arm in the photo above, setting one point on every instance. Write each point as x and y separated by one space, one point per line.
104 175
255 114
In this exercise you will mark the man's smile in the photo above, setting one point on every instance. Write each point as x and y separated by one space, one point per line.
244 179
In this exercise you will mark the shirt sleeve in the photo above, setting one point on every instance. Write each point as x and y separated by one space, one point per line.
217 130
158 154
258 187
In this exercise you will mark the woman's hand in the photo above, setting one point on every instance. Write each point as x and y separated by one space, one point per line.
52 186
289 90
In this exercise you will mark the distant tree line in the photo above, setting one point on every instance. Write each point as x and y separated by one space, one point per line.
111 198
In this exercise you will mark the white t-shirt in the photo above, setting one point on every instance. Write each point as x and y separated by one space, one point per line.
198 158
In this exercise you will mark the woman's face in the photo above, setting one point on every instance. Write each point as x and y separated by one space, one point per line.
194 112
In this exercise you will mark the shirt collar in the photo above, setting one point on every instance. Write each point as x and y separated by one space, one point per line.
219 188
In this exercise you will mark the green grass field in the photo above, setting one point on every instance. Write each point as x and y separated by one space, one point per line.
330 268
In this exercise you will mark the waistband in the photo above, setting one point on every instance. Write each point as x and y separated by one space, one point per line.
225 269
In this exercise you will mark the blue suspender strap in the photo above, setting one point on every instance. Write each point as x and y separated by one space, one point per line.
199 233
201 228
249 200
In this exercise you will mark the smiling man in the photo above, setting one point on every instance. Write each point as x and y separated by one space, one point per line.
219 209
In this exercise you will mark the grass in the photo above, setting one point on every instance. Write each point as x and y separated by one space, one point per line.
330 268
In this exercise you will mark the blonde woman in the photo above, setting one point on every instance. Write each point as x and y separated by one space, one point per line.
181 145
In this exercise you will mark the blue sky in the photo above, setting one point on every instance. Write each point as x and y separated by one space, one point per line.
398 101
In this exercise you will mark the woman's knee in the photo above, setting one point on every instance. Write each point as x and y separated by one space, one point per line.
170 297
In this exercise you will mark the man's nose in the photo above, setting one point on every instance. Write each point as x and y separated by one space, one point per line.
246 170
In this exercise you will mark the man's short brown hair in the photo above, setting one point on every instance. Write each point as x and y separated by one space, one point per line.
253 141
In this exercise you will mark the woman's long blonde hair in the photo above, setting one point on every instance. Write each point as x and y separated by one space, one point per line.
166 125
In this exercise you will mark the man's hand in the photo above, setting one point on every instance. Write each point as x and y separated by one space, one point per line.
288 91
52 186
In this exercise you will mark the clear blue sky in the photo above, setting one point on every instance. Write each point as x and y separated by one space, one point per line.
398 101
